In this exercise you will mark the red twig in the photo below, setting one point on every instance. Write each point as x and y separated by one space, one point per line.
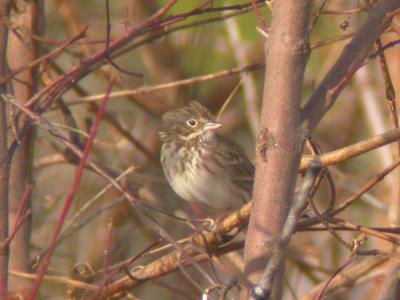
71 195
18 225
63 82
23 203
108 37
203 5
346 264
88 64
44 91
169 22
259 16
20 219
50 55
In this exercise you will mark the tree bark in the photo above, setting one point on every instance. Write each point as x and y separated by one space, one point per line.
21 51
4 161
280 142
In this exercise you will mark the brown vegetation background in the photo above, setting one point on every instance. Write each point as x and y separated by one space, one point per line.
85 210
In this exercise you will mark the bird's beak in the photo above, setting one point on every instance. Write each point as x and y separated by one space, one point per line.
211 126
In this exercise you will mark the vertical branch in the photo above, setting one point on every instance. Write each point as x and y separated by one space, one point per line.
390 287
279 145
263 288
21 51
390 95
4 161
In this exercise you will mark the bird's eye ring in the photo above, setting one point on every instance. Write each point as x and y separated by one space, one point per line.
191 123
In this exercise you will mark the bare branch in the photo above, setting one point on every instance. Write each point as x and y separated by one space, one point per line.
4 159
379 18
280 141
264 287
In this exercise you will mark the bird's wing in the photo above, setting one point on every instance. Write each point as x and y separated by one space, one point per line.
239 167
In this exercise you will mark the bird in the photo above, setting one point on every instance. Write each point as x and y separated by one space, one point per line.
201 166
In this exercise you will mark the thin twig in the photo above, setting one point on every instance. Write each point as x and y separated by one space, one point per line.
19 218
259 16
71 196
48 56
179 83
348 262
72 222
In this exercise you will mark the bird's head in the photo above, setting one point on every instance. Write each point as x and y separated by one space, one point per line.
188 123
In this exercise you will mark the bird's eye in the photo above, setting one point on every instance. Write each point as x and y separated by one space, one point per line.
191 123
